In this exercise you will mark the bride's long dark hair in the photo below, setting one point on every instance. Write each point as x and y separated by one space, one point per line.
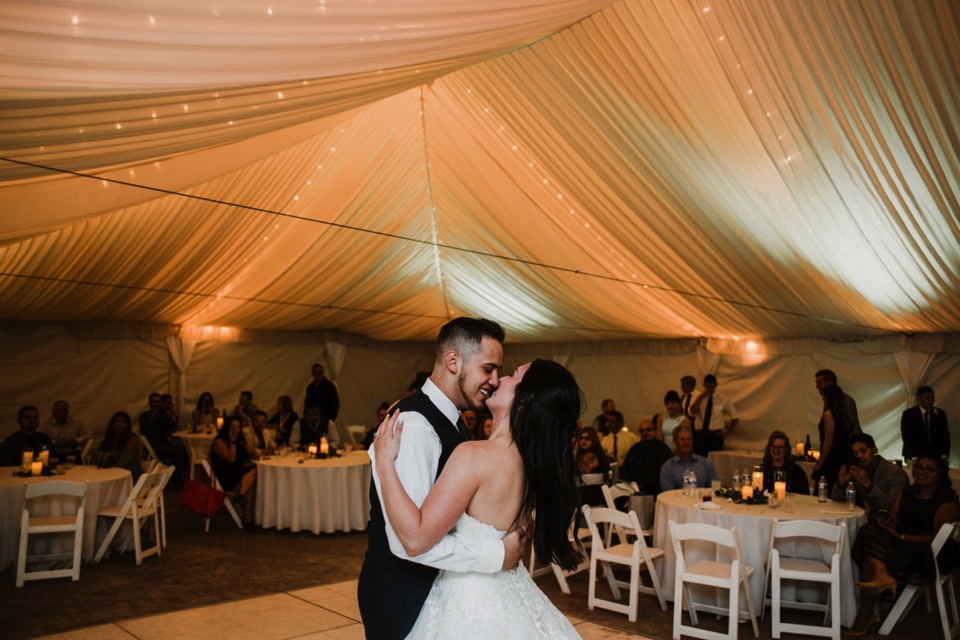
543 419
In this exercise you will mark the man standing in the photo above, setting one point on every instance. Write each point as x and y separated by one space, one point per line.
824 377
924 428
645 459
618 439
157 425
688 385
11 451
392 586
599 423
69 435
323 393
709 409
878 481
671 473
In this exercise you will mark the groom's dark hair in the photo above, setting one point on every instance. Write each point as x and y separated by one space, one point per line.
464 335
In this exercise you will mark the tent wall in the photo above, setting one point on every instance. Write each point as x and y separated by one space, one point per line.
771 384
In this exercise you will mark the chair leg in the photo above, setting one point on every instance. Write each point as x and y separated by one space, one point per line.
744 580
677 606
634 591
137 542
77 554
611 579
775 605
734 608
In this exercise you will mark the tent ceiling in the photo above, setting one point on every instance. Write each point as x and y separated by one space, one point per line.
575 169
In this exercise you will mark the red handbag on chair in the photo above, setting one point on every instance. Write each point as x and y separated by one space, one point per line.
205 499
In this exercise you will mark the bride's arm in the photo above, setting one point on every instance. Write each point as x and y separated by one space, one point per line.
420 529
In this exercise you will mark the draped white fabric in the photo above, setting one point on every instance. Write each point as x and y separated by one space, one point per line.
578 169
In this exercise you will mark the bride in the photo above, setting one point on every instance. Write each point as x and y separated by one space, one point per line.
487 488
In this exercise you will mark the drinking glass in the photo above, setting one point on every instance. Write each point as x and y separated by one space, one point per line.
788 503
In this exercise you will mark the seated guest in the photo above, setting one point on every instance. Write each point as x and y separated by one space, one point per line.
671 473
778 458
121 446
367 441
619 439
258 434
878 481
206 414
486 427
924 427
69 435
470 422
599 423
590 459
671 417
285 417
166 403
231 459
645 459
896 549
157 425
28 437
313 426
245 407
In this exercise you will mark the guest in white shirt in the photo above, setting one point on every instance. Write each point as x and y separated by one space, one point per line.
710 408
619 439
69 435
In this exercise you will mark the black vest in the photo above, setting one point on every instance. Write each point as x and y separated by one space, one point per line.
379 560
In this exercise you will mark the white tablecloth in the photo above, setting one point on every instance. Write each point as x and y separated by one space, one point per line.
316 495
754 524
197 446
108 488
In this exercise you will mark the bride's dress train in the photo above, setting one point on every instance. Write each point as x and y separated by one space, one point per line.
506 605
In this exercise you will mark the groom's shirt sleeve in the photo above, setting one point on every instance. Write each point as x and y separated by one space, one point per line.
417 468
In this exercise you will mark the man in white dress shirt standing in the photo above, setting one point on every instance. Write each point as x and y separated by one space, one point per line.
392 586
688 384
710 408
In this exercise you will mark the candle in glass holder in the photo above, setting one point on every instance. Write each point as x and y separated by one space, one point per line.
27 459
324 446
45 457
219 422
815 454
36 468
312 450
780 489
800 450
746 492
757 479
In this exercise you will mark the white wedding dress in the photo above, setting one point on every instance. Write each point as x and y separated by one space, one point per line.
505 605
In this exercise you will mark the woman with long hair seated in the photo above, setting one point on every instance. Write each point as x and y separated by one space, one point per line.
205 415
487 488
897 548
778 459
121 446
230 456
284 419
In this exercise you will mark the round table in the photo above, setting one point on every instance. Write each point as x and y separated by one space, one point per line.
107 488
754 524
315 495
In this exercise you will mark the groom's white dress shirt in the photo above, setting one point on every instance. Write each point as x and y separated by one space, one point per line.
417 467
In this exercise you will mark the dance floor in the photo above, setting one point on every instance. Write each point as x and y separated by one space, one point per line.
317 613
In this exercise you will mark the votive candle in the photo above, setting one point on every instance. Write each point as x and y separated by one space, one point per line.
27 460
45 458
800 451
746 492
758 480
36 468
780 488
312 450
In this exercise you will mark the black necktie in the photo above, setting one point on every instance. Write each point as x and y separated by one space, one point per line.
926 426
462 428
615 445
686 404
708 414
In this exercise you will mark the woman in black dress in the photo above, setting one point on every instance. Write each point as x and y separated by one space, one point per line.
897 549
834 430
230 457
778 458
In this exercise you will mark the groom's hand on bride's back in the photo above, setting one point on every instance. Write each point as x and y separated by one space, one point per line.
513 545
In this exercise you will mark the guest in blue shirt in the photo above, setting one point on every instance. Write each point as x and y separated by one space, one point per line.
671 473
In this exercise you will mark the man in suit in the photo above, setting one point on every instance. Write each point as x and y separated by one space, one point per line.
878 482
688 384
392 586
924 428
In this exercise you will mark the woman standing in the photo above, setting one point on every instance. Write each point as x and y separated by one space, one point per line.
671 418
834 430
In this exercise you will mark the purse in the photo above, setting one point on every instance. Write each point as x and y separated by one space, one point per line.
205 499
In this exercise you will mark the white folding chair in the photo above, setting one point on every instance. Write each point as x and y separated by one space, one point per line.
168 472
42 525
636 555
731 576
574 533
85 452
786 567
610 494
949 619
139 508
148 457
357 432
227 501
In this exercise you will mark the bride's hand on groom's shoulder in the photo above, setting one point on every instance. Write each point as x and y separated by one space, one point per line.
387 441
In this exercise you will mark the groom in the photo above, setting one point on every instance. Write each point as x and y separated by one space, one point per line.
392 586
